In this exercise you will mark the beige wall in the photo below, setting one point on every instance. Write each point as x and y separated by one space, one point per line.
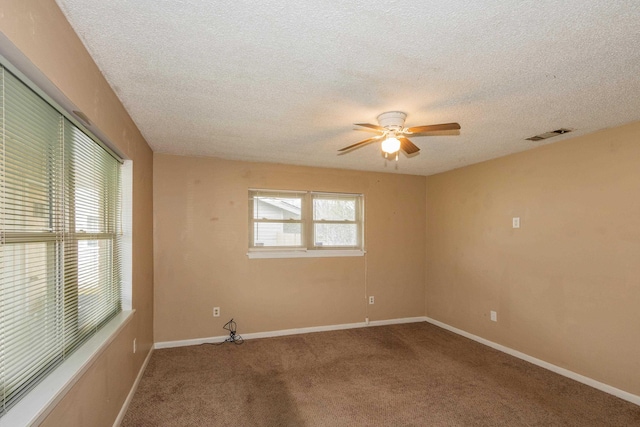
566 285
201 234
39 30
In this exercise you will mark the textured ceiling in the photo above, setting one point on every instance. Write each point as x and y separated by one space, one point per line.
284 81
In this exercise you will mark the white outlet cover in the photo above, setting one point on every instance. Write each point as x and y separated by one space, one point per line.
494 316
371 300
516 222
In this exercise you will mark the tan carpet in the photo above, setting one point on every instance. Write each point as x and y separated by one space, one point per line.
401 375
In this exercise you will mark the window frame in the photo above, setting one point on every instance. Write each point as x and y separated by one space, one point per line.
308 246
33 405
253 194
358 220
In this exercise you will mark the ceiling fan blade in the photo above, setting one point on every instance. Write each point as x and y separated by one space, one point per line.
361 143
369 125
407 146
434 128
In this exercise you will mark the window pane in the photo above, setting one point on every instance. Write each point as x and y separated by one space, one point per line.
91 280
334 209
277 234
336 234
277 207
97 292
30 338
31 159
92 184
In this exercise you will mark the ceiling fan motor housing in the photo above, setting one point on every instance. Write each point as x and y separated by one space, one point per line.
393 135
392 120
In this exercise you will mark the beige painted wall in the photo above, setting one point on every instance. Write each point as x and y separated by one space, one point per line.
566 285
201 234
40 31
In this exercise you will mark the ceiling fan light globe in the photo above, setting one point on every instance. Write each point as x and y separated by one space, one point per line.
391 145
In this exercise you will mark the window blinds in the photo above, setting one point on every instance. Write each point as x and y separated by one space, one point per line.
59 238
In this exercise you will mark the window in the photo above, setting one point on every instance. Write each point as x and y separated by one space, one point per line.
60 214
277 219
336 220
297 221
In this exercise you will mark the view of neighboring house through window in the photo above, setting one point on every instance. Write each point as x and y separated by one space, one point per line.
305 220
277 219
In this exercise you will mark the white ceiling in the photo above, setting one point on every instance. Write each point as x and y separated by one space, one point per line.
284 81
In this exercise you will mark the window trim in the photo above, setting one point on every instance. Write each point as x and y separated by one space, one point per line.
308 247
303 253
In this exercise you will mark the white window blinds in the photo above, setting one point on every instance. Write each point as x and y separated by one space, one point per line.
59 238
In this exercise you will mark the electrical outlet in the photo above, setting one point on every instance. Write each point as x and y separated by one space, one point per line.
134 345
516 222
494 316
216 311
371 300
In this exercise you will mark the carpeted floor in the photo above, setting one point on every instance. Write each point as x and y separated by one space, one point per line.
401 375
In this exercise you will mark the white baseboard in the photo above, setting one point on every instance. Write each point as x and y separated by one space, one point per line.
283 332
546 365
397 321
132 392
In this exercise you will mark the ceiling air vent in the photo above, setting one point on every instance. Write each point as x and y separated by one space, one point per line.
549 134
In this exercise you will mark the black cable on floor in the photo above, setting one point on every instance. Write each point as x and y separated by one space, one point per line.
234 337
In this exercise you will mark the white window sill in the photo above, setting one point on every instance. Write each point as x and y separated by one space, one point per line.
321 253
33 408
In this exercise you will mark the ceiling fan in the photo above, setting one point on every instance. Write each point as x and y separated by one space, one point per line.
393 134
